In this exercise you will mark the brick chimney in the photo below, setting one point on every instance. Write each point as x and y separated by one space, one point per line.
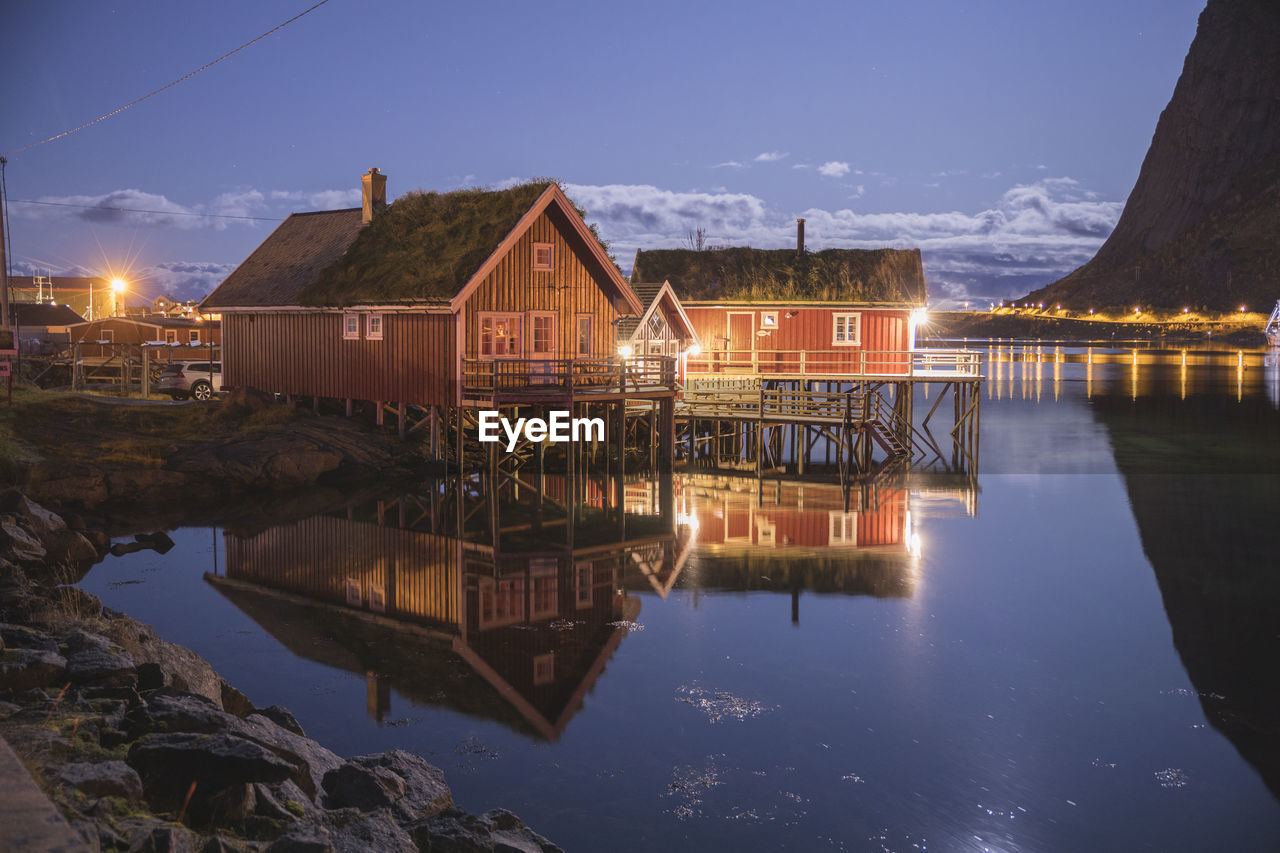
800 236
373 193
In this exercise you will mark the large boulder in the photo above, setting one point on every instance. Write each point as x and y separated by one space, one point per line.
168 763
181 668
23 669
102 779
425 791
354 831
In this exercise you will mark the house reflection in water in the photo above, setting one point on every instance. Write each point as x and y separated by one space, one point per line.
405 592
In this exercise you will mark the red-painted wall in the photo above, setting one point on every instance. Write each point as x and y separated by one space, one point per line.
883 340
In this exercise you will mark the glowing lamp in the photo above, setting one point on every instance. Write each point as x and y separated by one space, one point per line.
117 284
625 350
693 350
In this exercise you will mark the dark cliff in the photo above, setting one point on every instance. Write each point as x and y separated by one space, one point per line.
1201 227
742 273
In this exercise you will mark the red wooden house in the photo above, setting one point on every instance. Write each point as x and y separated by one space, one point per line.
841 312
437 301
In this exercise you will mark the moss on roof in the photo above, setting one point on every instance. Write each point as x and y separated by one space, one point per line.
426 245
743 273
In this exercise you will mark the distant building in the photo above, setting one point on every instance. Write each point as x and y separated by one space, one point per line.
89 296
39 327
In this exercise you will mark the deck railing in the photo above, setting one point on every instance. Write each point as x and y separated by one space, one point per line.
855 362
490 376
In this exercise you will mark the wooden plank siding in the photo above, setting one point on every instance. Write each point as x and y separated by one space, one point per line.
304 353
809 329
568 290
416 574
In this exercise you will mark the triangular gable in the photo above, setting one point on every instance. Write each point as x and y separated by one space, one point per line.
552 195
674 311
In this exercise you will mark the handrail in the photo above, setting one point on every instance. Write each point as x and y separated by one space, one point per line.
485 376
850 361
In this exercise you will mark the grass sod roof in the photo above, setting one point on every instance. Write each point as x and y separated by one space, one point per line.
747 274
424 246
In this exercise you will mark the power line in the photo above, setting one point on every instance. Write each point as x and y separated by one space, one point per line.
170 85
140 210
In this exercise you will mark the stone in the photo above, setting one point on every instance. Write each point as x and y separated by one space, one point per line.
353 831
22 637
219 844
103 779
19 544
23 669
455 831
281 717
69 546
95 666
426 792
119 549
303 838
233 804
165 838
39 520
183 669
511 835
364 788
160 542
311 760
169 763
284 801
169 710
234 701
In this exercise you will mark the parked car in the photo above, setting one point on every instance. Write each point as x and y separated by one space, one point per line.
198 379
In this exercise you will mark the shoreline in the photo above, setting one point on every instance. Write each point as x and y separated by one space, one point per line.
1006 323
140 744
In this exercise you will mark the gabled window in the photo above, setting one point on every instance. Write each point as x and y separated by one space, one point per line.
373 327
847 330
351 327
544 256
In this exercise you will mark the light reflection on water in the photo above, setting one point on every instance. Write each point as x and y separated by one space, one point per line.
1069 652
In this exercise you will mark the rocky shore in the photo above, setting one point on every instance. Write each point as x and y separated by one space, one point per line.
143 747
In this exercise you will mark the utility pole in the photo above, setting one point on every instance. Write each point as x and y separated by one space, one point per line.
6 337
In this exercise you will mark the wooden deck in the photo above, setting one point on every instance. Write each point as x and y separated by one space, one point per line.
833 365
525 381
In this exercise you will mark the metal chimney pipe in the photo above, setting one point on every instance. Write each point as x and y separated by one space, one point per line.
800 235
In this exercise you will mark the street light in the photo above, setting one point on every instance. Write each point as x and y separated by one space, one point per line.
117 287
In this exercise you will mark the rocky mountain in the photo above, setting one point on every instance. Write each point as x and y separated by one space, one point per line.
1201 227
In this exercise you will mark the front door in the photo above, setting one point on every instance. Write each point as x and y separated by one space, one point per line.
542 350
741 340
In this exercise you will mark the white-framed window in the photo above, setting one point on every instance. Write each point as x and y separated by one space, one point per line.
170 336
842 528
584 334
373 327
544 669
544 328
846 329
193 336
544 257
500 335
351 327
768 319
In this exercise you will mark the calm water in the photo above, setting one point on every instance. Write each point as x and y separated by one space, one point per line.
1076 649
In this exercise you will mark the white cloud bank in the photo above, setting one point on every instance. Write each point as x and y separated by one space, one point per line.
834 169
1034 234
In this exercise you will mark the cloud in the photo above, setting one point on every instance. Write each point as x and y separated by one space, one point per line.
834 169
859 191
771 156
120 207
185 279
730 164
319 199
800 166
1034 233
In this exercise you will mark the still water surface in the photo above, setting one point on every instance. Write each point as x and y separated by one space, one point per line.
1077 649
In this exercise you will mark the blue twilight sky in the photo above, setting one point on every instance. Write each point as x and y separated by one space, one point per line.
999 137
